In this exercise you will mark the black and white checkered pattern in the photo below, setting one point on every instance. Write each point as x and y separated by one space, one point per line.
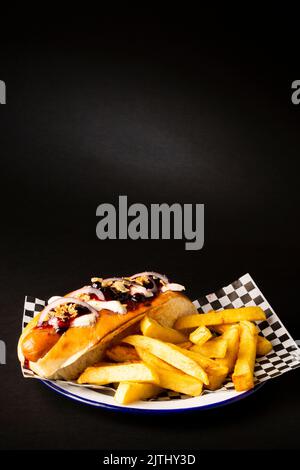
284 357
32 306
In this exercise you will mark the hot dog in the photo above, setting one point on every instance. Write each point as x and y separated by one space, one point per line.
73 332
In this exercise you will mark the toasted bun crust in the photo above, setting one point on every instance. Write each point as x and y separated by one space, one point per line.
81 347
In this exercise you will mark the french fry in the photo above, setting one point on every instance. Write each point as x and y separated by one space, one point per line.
232 338
180 382
215 347
222 328
153 329
205 362
106 373
216 380
154 361
185 366
122 353
231 315
216 373
227 363
200 335
242 376
263 346
128 392
169 353
170 377
185 344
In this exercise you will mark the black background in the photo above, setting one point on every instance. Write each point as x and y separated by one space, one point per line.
162 111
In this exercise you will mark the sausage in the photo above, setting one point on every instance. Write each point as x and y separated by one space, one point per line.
38 342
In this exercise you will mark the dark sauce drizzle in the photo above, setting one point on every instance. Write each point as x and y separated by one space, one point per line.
132 301
64 324
110 293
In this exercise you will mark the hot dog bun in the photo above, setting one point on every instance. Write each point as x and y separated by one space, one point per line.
81 347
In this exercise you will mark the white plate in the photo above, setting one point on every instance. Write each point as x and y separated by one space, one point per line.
103 400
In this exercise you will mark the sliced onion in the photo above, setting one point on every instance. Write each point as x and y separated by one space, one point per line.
138 289
113 305
62 301
173 287
163 278
53 298
152 289
88 290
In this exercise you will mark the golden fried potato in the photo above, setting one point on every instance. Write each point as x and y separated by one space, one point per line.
222 328
214 348
154 361
205 362
122 353
200 335
153 329
180 382
128 392
170 377
231 315
232 338
169 353
242 376
263 346
185 344
106 373
216 373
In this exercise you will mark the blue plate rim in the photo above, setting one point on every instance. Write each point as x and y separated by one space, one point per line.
124 409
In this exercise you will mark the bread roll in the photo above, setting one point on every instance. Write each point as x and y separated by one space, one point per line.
80 347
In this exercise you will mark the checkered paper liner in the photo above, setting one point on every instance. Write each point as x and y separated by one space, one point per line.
243 292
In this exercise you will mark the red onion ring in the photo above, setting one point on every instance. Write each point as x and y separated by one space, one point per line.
163 278
88 290
138 289
153 289
53 298
61 301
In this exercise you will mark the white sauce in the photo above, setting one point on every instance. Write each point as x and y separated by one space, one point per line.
113 305
173 286
84 320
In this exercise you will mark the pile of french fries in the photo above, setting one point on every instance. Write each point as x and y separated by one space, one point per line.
200 351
